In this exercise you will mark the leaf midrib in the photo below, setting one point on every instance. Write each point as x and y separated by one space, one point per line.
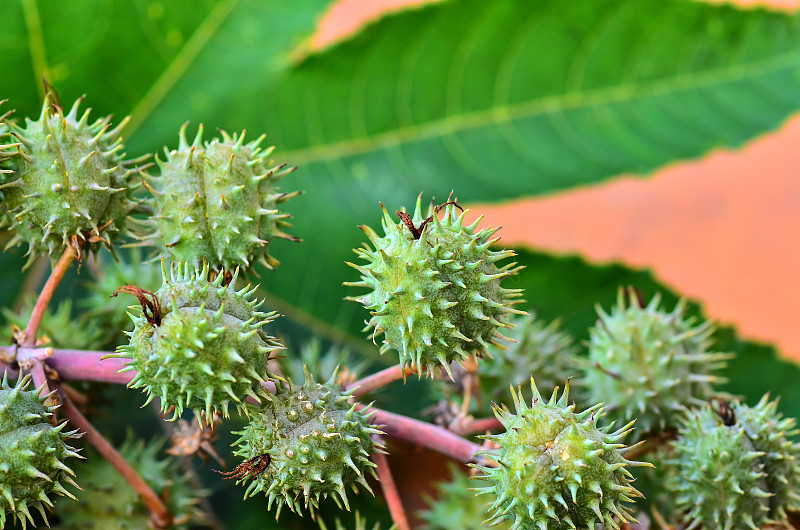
506 113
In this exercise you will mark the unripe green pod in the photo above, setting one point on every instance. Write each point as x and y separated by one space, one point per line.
737 468
32 453
558 469
435 287
199 343
217 202
307 443
537 349
648 364
69 180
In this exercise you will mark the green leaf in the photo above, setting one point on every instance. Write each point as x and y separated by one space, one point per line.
502 99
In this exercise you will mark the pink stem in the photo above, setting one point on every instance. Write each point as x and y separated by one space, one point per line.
390 492
425 434
379 379
159 513
81 365
477 426
61 268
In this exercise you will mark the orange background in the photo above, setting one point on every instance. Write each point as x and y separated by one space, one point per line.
724 230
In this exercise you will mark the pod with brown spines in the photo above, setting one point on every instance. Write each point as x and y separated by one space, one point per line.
198 343
217 201
538 349
456 505
647 363
32 453
435 287
110 313
737 467
107 501
70 180
558 469
306 444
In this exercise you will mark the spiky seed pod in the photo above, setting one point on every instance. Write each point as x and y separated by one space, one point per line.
737 468
32 453
199 344
435 287
457 506
771 433
107 501
109 313
218 201
322 363
308 443
69 180
558 469
540 350
649 364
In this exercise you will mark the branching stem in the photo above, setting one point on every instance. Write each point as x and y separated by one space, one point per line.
159 513
379 379
59 270
390 492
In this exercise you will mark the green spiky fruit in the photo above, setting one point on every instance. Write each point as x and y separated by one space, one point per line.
59 326
558 469
457 506
107 501
311 444
435 290
110 275
649 364
540 350
70 180
738 469
218 201
359 523
32 453
322 364
201 346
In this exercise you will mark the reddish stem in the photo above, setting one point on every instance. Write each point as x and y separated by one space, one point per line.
477 426
424 434
60 269
160 515
390 492
379 379
81 365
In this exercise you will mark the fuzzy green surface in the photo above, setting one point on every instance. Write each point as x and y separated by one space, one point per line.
541 350
217 201
647 363
107 502
208 351
69 179
743 474
317 443
558 469
436 298
32 454
457 506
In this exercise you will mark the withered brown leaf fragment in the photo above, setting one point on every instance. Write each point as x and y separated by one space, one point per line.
248 468
189 438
